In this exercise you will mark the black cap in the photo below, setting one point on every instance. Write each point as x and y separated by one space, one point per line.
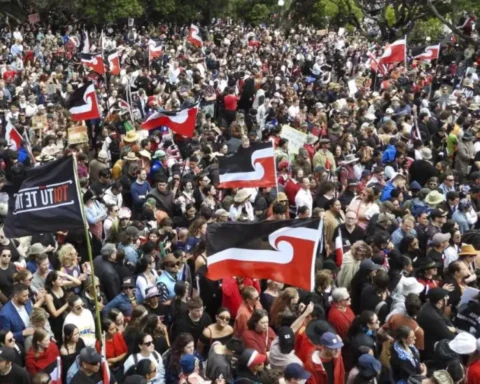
436 294
286 339
90 356
128 283
7 353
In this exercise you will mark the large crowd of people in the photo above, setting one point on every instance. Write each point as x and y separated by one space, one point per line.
391 165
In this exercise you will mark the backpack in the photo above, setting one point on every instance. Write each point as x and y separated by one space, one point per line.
114 146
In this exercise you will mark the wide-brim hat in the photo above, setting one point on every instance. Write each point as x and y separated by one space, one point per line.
435 198
409 285
241 196
36 249
131 137
350 159
423 263
468 250
316 329
130 157
145 153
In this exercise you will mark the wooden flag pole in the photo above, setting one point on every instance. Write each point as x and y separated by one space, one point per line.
98 323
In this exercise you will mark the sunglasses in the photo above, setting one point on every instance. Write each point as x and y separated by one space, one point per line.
224 318
10 340
171 265
148 343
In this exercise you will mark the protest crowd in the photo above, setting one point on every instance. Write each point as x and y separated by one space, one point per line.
255 205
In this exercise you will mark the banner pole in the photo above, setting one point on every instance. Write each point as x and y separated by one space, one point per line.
98 323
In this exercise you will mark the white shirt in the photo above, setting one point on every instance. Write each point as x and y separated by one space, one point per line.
293 111
154 356
85 325
22 312
304 197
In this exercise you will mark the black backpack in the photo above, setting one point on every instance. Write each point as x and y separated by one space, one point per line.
114 146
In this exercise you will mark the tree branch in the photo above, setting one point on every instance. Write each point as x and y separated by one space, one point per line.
454 29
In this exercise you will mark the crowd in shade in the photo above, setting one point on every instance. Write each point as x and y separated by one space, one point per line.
385 154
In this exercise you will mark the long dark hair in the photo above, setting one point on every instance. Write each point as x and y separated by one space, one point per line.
178 308
182 340
360 323
68 330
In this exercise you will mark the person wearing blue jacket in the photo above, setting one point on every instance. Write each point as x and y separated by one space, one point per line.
397 181
15 315
139 190
125 300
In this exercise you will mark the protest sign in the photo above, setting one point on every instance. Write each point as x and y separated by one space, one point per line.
296 139
77 135
34 18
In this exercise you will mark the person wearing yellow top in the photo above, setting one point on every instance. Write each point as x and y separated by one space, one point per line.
324 157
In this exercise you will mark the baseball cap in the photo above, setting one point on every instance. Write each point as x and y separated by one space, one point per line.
7 353
286 339
295 371
439 238
187 363
127 283
368 366
331 340
151 292
369 265
90 356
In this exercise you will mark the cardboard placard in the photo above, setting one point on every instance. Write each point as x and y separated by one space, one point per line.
352 87
296 139
322 32
34 18
341 31
77 134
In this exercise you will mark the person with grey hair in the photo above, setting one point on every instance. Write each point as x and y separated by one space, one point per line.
110 282
340 315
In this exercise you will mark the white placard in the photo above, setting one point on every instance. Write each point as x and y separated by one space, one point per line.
296 139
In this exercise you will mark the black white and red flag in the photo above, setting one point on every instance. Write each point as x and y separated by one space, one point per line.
195 36
431 52
155 49
94 61
113 60
283 251
83 104
182 121
252 167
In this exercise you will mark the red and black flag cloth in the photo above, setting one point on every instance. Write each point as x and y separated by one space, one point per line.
83 103
283 251
252 167
431 52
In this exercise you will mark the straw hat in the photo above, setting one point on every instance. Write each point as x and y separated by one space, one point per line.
435 198
131 137
468 250
145 153
241 196
130 157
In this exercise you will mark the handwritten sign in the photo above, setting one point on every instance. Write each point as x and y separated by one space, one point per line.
77 135
296 139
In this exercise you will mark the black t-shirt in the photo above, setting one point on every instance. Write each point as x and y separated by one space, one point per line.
328 370
6 279
17 375
356 235
82 378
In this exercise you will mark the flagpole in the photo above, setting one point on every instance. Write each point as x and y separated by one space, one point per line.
98 333
276 177
406 48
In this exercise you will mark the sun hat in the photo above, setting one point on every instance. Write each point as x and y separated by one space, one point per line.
435 198
315 330
468 250
159 153
131 137
102 155
349 159
145 153
409 285
463 344
130 157
423 263
426 153
36 249
241 196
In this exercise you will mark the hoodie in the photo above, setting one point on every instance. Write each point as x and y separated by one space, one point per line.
349 267
280 360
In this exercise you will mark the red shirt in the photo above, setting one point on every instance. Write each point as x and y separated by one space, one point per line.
261 342
230 102
303 345
341 321
473 373
9 75
231 296
114 347
291 189
319 376
39 363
